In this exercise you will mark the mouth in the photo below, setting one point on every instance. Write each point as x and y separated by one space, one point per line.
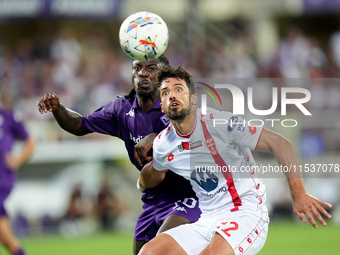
174 105
144 84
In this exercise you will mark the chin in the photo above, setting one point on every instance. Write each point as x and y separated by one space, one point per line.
143 93
176 116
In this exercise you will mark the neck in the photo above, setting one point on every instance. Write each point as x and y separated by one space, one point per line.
185 126
147 103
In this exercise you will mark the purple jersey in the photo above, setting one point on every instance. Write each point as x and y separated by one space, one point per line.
10 130
124 118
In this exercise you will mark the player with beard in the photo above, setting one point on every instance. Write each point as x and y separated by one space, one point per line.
131 118
213 157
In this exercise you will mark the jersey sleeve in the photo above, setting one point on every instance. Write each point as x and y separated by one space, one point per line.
104 120
243 134
159 159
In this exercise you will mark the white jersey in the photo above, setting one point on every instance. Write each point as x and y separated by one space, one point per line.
216 158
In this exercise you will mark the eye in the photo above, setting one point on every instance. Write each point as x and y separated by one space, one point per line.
179 89
152 68
136 68
165 93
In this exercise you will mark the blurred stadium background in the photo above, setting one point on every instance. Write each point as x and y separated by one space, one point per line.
71 47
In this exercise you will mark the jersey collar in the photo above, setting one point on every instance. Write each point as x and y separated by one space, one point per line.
187 136
135 105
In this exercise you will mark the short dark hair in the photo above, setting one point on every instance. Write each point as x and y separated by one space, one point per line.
170 71
163 60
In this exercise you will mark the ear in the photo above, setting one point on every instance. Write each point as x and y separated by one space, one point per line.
194 99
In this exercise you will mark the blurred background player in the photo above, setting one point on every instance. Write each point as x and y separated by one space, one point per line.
132 118
11 130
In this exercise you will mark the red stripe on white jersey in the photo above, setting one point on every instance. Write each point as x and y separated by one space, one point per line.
219 161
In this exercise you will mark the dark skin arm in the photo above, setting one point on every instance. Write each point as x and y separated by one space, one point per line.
303 203
67 119
142 148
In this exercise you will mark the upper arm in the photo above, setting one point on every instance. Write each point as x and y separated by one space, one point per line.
243 134
104 121
159 173
150 177
270 141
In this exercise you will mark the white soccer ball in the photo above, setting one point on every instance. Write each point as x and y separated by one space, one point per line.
143 36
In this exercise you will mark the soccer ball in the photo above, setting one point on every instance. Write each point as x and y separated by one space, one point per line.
143 36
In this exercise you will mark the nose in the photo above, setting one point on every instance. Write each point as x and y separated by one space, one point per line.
171 95
143 73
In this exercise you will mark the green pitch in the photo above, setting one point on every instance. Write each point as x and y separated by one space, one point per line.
283 238
298 239
101 243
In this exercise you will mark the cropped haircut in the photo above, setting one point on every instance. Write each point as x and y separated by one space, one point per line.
170 71
163 60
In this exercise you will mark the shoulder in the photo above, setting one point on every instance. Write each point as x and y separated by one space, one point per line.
221 123
164 144
6 112
12 119
165 140
212 115
112 110
121 101
11 115
164 134
117 105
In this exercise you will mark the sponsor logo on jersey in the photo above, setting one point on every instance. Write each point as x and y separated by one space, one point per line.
232 123
182 209
136 139
189 145
170 157
211 145
165 120
205 179
211 195
131 113
252 130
